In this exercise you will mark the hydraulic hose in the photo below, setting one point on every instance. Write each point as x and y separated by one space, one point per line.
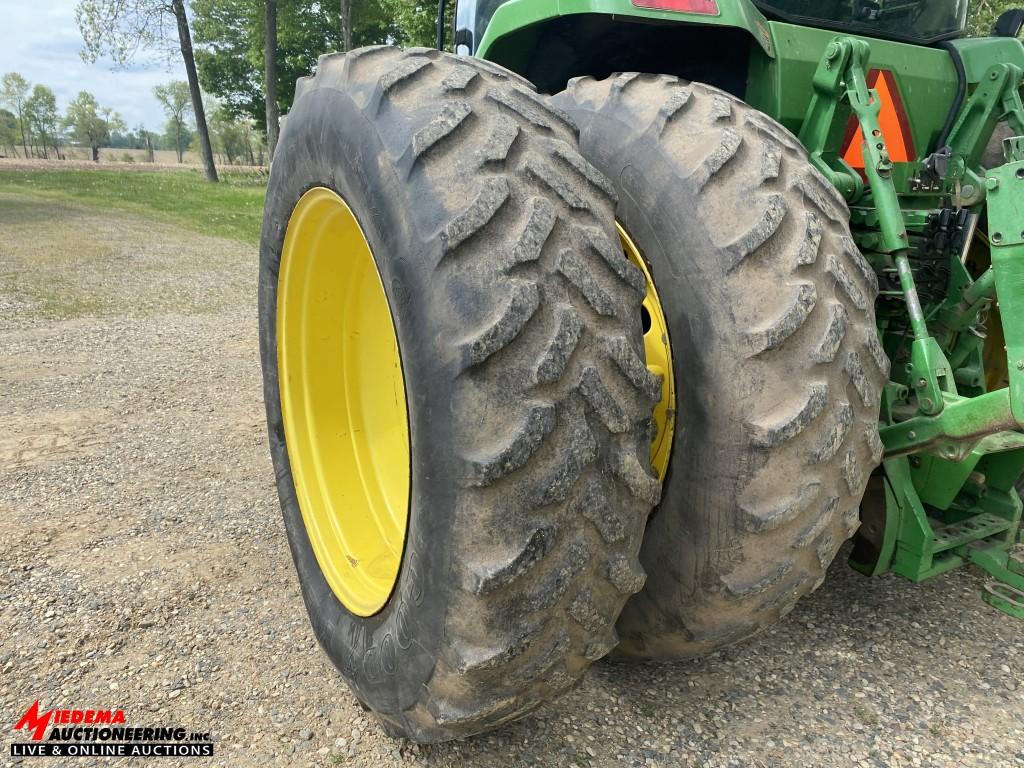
961 92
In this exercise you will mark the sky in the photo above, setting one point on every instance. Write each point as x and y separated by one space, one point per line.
40 39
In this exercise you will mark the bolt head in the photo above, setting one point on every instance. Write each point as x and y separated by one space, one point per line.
1020 365
992 184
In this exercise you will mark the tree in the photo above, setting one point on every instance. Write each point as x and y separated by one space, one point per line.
231 46
8 131
41 115
270 75
415 22
13 95
121 28
90 125
115 124
229 136
178 8
346 25
176 100
144 140
178 137
984 14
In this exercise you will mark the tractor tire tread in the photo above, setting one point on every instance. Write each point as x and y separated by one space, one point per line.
547 327
819 424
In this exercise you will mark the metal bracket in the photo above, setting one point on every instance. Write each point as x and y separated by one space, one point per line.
1006 235
1006 590
841 76
821 132
996 98
954 433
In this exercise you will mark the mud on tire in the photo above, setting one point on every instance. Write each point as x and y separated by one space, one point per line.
770 308
518 321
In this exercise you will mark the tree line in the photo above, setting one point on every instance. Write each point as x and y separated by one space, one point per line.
247 53
29 119
31 125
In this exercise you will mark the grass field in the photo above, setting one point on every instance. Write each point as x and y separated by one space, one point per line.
233 208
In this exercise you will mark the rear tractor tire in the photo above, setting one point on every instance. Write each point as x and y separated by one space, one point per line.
777 368
456 397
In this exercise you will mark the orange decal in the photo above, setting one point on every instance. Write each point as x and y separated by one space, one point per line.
892 120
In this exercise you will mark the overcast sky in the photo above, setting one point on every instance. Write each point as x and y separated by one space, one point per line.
39 39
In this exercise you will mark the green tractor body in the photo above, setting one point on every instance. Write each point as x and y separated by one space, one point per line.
937 207
767 62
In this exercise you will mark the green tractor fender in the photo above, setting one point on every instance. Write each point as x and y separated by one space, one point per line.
732 45
513 31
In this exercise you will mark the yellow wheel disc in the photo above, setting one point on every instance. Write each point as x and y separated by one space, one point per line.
343 401
659 360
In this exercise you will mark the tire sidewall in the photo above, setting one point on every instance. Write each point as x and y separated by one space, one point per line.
661 210
328 142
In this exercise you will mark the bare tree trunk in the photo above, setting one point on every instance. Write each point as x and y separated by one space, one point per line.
185 38
24 142
270 76
346 25
95 154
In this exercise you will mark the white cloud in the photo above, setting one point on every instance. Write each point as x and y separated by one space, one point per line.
40 39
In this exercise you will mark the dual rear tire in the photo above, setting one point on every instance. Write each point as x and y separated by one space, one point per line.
503 323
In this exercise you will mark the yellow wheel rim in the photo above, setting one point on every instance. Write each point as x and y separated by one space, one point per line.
659 360
343 401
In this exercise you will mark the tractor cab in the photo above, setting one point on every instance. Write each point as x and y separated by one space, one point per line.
471 19
914 21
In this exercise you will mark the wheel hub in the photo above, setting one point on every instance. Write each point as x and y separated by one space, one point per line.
659 359
343 401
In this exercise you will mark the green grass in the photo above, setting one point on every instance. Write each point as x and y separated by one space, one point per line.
60 304
233 208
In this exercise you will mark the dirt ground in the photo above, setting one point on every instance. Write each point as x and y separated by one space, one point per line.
75 161
109 155
144 563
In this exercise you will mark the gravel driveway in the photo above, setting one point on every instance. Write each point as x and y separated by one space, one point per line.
144 563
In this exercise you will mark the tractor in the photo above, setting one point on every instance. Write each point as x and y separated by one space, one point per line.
607 331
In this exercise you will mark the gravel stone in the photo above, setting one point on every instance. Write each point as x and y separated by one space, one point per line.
145 565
